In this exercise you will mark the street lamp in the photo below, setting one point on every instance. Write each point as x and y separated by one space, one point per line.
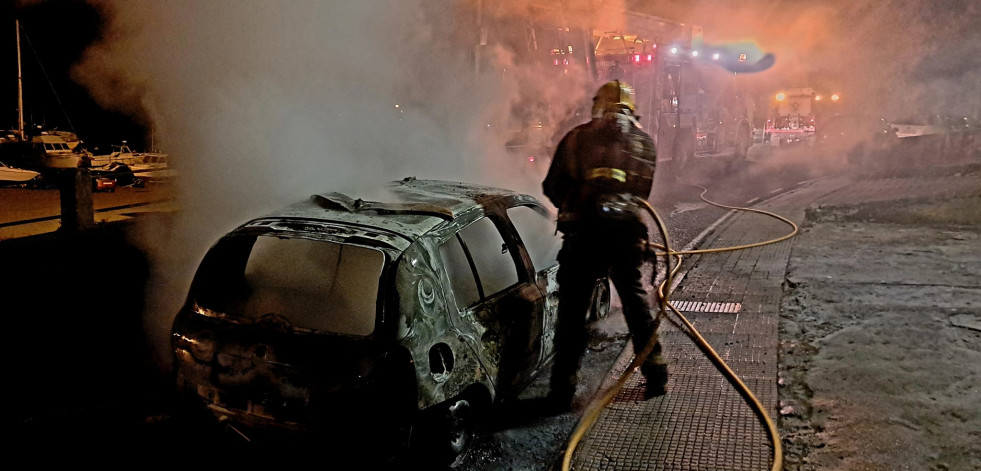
835 98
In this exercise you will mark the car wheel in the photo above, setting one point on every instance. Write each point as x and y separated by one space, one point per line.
448 431
459 430
599 304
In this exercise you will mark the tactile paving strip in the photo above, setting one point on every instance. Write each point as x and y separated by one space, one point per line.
703 423
695 306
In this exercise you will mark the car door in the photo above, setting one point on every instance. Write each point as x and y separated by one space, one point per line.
535 230
497 300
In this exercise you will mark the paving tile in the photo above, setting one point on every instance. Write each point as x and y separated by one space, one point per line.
703 422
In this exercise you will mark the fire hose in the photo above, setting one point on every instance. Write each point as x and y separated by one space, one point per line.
596 407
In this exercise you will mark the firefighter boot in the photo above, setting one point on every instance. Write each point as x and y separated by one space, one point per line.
655 371
562 390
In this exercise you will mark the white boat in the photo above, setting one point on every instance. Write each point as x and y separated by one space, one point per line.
10 174
54 151
121 154
154 166
123 159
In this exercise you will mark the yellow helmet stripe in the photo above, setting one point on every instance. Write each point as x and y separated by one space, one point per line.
607 172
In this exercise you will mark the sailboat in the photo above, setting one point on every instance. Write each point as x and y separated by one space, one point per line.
50 150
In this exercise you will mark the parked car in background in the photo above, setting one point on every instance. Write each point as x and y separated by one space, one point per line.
341 322
103 184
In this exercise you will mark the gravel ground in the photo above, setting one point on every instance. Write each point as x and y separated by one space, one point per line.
881 338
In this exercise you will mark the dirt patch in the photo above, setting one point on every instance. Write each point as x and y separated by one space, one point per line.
955 211
880 356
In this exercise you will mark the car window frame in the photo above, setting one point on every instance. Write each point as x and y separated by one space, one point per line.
516 251
532 269
211 258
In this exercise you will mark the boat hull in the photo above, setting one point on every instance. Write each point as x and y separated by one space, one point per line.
16 175
69 160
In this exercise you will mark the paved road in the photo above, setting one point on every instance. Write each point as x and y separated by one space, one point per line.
25 212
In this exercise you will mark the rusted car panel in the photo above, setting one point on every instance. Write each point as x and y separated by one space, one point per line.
551 308
446 365
445 300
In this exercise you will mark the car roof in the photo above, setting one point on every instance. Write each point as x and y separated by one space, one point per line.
414 208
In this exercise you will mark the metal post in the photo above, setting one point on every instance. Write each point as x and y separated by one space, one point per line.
20 89
75 187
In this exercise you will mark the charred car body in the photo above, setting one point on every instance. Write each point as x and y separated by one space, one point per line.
346 318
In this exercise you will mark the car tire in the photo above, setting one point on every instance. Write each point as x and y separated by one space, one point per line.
446 432
599 303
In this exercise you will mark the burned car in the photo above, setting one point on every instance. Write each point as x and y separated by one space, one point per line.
341 320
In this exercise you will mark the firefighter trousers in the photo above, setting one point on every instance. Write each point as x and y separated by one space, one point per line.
589 253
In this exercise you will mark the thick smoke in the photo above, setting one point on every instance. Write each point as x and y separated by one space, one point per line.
261 104
264 102
900 59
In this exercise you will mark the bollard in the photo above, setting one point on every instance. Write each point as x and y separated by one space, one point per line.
75 186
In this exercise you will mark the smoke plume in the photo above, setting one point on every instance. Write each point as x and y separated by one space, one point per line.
261 104
900 59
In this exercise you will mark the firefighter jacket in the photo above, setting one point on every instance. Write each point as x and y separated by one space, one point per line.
596 160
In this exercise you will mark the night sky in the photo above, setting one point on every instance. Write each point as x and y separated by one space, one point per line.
54 34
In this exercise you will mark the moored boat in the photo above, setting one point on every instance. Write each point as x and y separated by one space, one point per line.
16 175
54 152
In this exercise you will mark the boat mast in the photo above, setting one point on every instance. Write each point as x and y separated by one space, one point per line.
20 89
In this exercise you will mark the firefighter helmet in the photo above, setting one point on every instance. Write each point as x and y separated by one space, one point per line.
613 95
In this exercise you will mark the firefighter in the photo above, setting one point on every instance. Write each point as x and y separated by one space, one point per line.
597 168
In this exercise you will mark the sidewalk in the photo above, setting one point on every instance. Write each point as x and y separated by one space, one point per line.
734 300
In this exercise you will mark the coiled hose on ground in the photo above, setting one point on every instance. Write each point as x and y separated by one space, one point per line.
594 409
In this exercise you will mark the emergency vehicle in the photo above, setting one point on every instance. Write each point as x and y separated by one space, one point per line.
687 102
793 114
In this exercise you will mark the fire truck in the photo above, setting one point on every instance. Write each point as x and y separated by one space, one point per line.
688 103
792 116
